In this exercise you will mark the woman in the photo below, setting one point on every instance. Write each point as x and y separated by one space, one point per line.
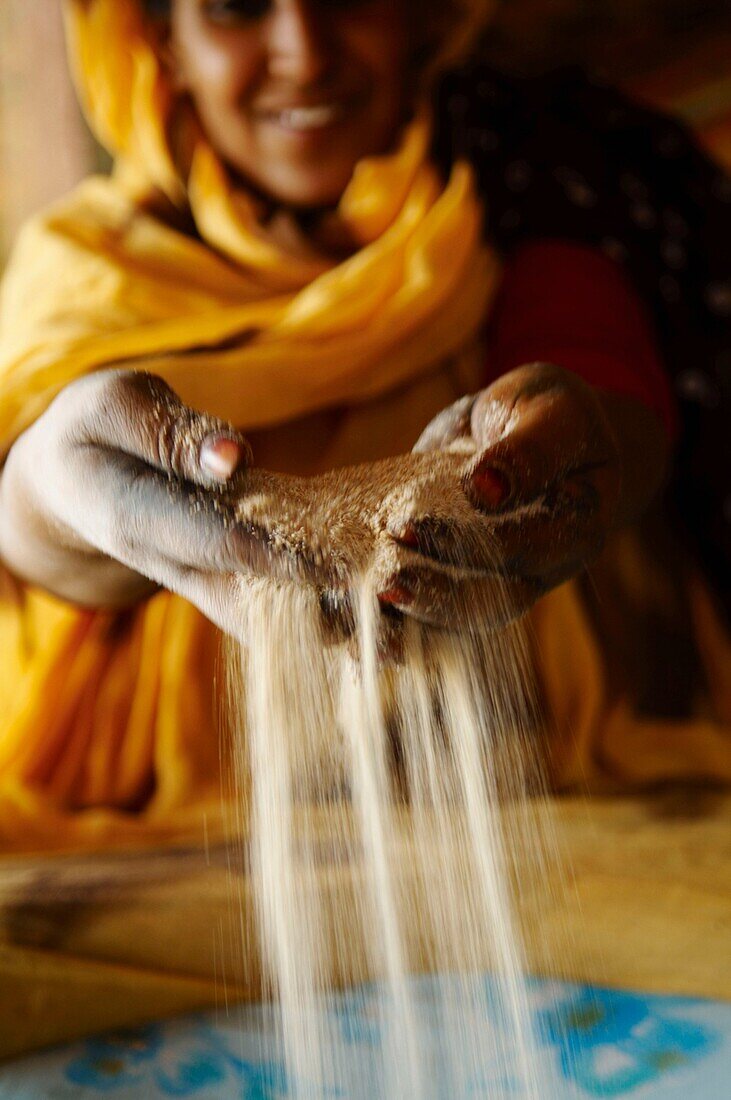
294 241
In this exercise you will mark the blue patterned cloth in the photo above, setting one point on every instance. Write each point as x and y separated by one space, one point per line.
591 1043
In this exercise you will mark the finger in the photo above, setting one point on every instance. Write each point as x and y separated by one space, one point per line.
548 474
551 537
168 530
140 415
549 545
449 430
544 436
448 600
497 408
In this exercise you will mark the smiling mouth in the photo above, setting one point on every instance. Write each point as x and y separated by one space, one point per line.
309 118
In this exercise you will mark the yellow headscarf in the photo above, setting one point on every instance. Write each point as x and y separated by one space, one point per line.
99 281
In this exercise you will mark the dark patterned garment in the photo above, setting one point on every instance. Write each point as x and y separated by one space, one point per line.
563 157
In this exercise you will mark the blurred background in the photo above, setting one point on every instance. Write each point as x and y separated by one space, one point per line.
676 54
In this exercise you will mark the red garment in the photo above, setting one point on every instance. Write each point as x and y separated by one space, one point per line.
571 305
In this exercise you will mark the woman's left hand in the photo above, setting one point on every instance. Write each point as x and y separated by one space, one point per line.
544 482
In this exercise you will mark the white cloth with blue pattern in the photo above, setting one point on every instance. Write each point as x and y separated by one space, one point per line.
593 1043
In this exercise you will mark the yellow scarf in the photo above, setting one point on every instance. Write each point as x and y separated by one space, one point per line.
104 713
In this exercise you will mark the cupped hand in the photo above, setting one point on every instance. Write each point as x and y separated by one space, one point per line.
508 493
119 488
543 477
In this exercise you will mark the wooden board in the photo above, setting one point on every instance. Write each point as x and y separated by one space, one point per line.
93 942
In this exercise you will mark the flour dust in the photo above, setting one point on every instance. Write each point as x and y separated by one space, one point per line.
381 848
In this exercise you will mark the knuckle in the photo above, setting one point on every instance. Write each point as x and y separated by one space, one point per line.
106 389
124 383
176 436
86 404
129 392
448 425
547 377
163 422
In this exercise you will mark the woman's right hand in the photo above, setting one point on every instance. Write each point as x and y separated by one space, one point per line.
119 488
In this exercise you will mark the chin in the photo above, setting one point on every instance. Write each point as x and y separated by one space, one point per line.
306 190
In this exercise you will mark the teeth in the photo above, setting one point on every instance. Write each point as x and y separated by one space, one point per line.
310 118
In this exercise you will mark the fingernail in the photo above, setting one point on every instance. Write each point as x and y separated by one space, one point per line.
396 596
491 486
220 456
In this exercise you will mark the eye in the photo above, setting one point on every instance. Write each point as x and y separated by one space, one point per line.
235 11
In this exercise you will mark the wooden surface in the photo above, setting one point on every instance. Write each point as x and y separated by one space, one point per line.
90 943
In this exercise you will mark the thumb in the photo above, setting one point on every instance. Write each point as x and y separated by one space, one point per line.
139 414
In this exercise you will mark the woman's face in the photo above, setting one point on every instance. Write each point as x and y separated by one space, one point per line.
293 92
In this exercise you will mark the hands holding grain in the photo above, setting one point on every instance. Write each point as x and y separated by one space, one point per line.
119 488
507 494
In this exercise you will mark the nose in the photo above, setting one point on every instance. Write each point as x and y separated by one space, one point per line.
298 47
